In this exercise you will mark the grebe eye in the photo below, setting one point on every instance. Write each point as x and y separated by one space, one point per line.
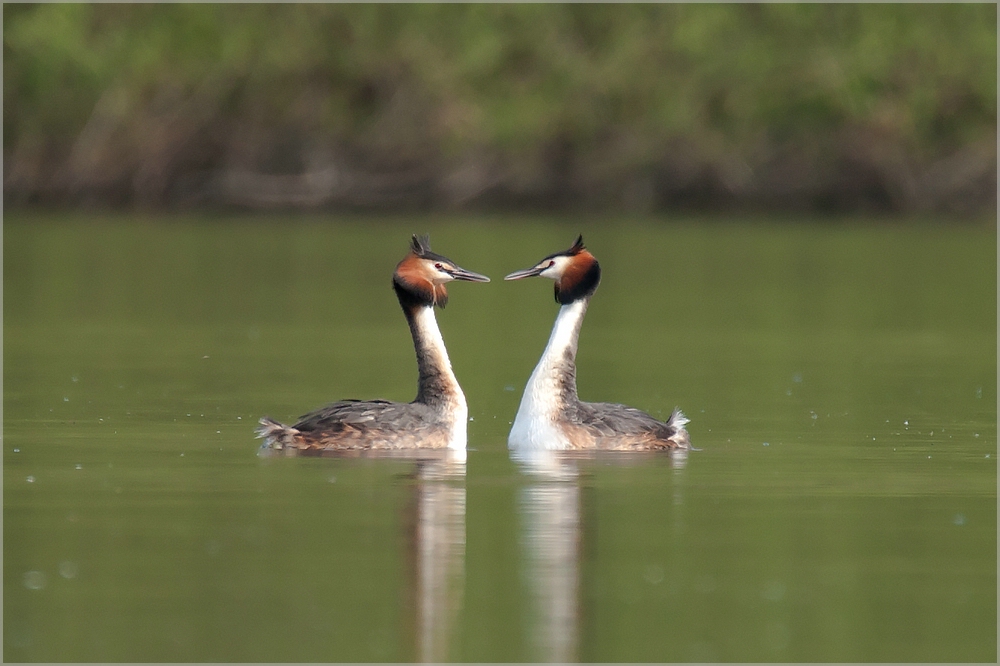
551 264
438 266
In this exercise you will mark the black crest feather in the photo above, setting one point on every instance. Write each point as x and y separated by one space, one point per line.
421 245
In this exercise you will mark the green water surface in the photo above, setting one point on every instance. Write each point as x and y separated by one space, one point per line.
840 379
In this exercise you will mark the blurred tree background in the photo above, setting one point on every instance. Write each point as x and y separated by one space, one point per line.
647 107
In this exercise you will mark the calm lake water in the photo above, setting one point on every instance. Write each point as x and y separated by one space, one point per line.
840 379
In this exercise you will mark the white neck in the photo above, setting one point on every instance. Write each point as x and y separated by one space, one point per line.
437 381
552 382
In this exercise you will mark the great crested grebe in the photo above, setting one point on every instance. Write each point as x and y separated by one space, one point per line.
436 419
551 416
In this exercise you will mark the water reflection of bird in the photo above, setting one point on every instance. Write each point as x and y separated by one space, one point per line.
551 416
437 417
434 529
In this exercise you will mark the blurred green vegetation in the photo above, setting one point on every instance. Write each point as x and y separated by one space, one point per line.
641 106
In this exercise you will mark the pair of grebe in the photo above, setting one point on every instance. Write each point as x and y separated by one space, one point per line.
550 416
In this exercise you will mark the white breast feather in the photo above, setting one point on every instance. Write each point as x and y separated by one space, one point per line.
427 324
535 424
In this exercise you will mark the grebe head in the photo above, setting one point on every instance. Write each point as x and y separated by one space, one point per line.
575 271
420 277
